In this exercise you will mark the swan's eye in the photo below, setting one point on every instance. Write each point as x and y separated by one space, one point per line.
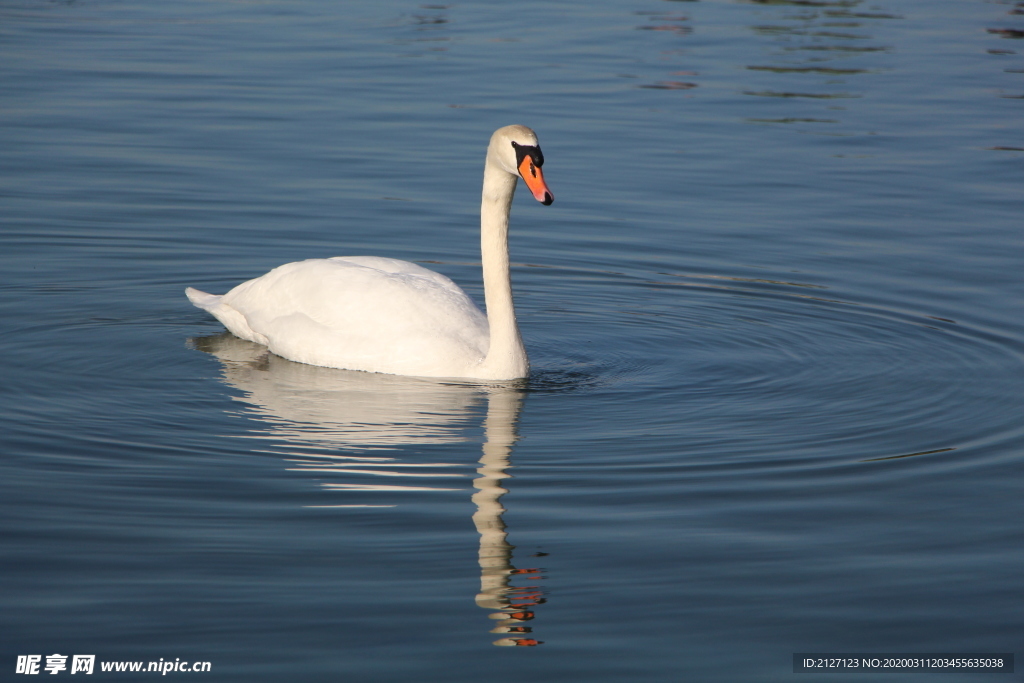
531 152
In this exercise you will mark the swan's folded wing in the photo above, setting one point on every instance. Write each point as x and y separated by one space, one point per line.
353 313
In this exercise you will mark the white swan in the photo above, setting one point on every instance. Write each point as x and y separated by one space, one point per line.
385 315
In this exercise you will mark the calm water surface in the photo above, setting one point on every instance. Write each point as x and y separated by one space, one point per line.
775 320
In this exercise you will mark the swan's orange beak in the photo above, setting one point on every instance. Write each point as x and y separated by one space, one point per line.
535 181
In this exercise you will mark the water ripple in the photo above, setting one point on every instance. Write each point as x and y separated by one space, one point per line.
790 365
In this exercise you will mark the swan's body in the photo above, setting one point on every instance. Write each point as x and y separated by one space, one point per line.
385 315
360 313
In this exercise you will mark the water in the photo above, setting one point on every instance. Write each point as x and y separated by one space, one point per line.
775 320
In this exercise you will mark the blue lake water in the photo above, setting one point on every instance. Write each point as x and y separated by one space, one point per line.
775 318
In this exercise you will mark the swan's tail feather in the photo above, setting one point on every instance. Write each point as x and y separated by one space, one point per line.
232 319
203 300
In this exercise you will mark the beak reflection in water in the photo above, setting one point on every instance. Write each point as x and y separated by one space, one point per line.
328 420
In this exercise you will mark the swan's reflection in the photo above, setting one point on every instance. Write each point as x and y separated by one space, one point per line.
513 604
314 409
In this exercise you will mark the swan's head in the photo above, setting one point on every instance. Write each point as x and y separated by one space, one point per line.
516 150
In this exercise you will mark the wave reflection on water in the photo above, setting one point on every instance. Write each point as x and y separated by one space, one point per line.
798 369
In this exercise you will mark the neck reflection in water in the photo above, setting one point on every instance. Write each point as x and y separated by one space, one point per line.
513 603
326 414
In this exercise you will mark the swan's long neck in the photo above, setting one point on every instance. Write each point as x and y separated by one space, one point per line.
506 358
